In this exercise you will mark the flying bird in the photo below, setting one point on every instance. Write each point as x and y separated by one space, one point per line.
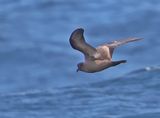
99 58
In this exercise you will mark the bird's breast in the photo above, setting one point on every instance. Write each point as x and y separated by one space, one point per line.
97 65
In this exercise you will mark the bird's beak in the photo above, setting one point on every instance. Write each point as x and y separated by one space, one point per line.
77 70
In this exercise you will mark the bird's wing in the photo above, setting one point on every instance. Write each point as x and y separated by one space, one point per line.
78 42
112 45
121 42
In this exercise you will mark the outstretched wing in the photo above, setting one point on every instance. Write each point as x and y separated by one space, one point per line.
117 43
121 42
78 42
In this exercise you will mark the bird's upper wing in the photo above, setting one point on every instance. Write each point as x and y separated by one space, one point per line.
121 42
114 44
78 42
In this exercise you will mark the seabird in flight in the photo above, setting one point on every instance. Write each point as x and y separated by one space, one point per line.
99 58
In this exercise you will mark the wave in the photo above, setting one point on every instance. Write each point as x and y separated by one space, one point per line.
131 95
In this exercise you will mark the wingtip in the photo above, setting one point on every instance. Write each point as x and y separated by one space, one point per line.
79 29
135 39
76 38
139 38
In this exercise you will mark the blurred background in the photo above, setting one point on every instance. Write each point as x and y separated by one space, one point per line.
35 53
34 39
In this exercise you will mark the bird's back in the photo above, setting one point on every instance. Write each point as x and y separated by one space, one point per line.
104 52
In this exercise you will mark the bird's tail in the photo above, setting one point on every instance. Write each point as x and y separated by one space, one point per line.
114 63
123 41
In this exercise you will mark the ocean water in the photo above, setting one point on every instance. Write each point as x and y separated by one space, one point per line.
38 77
134 95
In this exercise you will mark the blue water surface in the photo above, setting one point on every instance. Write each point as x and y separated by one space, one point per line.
38 77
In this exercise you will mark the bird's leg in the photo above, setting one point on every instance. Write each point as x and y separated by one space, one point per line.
114 63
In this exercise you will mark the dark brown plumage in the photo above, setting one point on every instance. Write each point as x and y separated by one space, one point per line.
99 58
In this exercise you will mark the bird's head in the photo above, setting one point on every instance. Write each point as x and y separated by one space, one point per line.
80 66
